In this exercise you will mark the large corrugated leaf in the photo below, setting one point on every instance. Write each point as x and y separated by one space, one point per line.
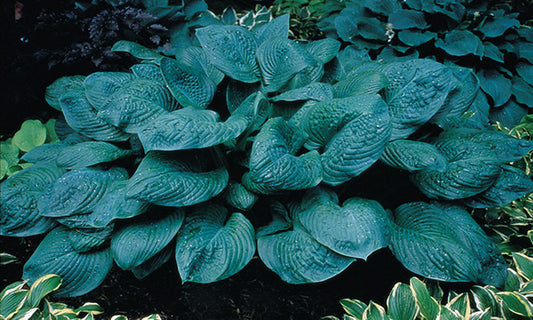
80 272
136 50
77 191
356 229
142 238
417 90
19 196
213 245
176 181
314 91
191 87
61 86
232 50
413 156
237 196
100 86
445 243
360 81
276 28
88 239
196 58
86 154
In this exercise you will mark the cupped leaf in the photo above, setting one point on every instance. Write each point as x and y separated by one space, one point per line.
413 156
279 59
356 229
460 43
232 50
88 239
166 180
274 150
522 91
77 191
324 50
298 258
415 38
239 197
196 58
525 71
61 86
141 239
191 87
496 85
19 196
417 90
237 92
314 91
213 245
80 272
407 19
86 154
496 25
136 50
276 28
42 287
360 81
82 117
100 86
152 264
148 71
443 242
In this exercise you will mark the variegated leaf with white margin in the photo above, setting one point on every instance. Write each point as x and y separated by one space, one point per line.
176 180
80 272
19 195
143 237
78 191
213 245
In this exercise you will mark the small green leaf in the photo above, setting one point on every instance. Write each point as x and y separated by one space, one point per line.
6 258
4 167
42 287
375 312
517 303
90 307
32 133
353 307
9 153
51 135
401 303
429 307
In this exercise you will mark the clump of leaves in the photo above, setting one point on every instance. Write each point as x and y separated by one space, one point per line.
32 133
419 300
189 157
485 36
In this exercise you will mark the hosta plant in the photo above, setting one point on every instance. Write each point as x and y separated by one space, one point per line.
485 36
187 159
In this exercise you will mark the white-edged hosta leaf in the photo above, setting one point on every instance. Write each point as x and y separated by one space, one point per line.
363 82
167 180
191 87
428 305
279 60
237 196
298 258
496 85
40 288
142 238
443 242
417 90
82 117
314 91
356 229
19 196
80 272
353 307
273 165
512 184
213 245
61 86
276 28
190 129
412 155
401 303
232 50
136 50
100 86
77 191
86 154
152 264
148 71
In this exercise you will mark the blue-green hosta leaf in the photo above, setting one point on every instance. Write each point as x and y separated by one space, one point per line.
239 197
280 220
356 229
351 25
82 117
212 245
313 72
508 115
445 243
496 25
460 43
386 7
19 195
491 51
232 50
512 184
100 86
166 180
413 155
407 19
152 264
80 272
360 81
461 98
191 87
323 50
276 28
191 129
522 91
280 59
415 38
196 58
417 90
314 91
525 71
496 85
115 205
525 50
77 191
88 239
44 153
254 109
229 16
148 71
273 164
86 154
60 87
136 50
298 258
141 239
237 92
